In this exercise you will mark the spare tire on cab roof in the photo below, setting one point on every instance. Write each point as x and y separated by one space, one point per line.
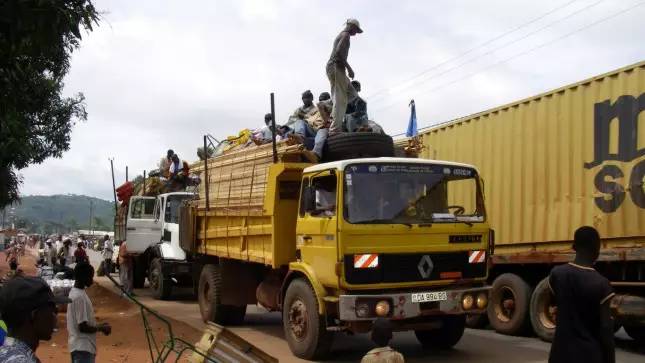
357 145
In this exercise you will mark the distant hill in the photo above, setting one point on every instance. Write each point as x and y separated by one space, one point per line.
63 213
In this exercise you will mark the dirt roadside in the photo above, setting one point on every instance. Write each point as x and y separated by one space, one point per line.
127 343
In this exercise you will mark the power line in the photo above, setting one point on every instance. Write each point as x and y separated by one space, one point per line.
477 47
601 20
473 59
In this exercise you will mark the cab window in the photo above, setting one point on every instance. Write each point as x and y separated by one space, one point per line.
325 194
142 208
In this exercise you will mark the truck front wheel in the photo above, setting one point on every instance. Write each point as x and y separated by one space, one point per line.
161 285
209 297
305 330
451 331
508 309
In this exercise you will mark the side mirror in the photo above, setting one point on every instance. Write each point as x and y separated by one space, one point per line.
309 199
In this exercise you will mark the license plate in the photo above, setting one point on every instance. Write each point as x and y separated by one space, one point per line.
429 296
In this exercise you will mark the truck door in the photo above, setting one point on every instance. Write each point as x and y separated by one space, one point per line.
144 228
316 230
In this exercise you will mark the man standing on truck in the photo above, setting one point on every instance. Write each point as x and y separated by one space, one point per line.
341 90
585 329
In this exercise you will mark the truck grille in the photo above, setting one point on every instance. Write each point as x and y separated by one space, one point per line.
412 267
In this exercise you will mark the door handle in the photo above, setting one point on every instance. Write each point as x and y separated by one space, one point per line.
306 239
131 229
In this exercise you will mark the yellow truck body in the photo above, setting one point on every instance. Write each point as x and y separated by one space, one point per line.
258 236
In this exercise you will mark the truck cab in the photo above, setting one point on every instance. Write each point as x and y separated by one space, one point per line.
402 239
152 235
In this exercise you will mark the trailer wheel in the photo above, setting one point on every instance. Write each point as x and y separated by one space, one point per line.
161 285
451 331
208 296
476 321
138 273
637 333
508 309
543 311
305 330
347 145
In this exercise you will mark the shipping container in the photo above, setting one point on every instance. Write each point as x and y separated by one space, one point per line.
551 163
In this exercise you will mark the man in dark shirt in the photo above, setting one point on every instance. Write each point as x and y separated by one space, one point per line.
341 91
585 328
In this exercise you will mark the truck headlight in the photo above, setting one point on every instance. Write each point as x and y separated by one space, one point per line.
382 308
482 300
467 301
362 310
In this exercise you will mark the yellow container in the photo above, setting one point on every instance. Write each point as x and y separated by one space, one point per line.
551 163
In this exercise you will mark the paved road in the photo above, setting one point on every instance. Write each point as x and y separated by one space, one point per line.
265 330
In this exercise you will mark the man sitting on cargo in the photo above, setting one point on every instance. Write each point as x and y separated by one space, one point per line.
164 164
314 124
356 114
264 136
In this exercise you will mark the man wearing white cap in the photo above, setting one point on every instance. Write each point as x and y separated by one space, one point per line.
341 91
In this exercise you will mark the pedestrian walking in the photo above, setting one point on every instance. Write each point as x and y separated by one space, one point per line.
81 323
108 252
80 255
381 336
125 268
65 254
585 329
341 90
28 308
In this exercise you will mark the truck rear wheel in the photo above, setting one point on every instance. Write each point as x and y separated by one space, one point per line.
161 285
508 309
305 330
209 297
451 331
637 333
543 311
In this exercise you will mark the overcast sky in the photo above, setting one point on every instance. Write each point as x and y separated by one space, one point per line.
160 74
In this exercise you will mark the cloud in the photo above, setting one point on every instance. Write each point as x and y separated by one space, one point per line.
160 74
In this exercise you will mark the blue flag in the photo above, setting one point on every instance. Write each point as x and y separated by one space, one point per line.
412 125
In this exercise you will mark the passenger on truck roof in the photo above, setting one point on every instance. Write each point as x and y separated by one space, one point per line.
341 90
585 329
307 125
356 113
164 164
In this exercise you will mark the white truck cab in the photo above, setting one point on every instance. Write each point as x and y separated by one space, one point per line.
152 235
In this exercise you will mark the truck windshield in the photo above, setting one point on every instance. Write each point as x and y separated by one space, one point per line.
172 207
412 194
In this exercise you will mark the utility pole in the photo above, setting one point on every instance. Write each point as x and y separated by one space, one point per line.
90 224
113 185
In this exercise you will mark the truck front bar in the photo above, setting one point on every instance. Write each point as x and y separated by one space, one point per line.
404 305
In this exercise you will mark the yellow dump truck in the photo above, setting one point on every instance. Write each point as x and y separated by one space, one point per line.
336 245
566 158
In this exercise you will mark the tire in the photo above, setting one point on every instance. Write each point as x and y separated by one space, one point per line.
305 330
541 311
508 308
445 337
476 321
357 145
208 297
160 285
138 273
637 333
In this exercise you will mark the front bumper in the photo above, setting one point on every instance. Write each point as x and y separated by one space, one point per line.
402 307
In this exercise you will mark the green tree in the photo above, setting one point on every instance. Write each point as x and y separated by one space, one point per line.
37 38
